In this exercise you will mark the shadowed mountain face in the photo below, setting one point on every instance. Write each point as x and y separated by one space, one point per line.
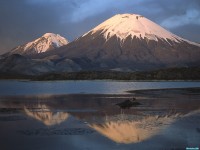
133 54
126 42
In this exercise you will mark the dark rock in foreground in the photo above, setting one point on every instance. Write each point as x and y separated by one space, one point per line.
128 104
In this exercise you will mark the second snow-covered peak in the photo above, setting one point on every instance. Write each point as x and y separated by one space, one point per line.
56 39
125 25
47 42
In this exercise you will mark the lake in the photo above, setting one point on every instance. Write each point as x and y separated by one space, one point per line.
83 115
15 87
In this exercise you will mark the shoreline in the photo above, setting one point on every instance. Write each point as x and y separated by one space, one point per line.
169 74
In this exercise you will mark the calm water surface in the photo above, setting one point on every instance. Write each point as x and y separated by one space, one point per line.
83 115
14 87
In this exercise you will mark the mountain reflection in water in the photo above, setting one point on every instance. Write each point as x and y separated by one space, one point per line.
130 131
46 115
166 119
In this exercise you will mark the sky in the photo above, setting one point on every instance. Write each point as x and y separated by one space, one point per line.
22 21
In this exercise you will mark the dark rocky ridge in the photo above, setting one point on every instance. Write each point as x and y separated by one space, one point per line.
18 64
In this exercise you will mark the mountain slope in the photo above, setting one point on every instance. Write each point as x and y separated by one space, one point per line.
126 42
130 42
47 42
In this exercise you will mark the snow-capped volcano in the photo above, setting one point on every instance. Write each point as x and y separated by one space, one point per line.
130 42
47 42
134 25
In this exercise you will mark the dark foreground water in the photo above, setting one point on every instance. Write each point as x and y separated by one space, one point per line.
40 118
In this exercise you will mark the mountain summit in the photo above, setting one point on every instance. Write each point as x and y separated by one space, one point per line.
132 25
47 42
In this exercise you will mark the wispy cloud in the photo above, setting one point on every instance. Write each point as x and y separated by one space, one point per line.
90 8
190 17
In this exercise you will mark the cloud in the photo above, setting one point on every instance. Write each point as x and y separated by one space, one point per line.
90 8
44 2
191 17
